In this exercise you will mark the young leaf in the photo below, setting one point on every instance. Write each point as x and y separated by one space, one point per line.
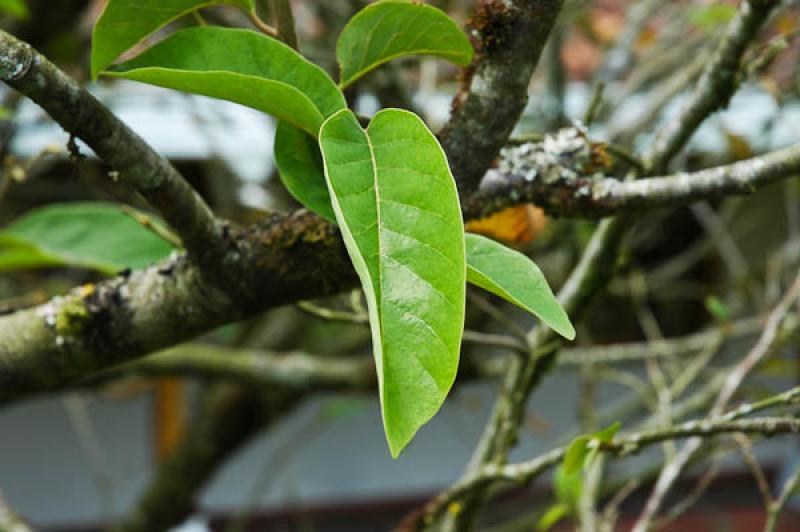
394 28
514 277
552 516
575 454
124 23
299 164
607 434
241 66
91 235
397 206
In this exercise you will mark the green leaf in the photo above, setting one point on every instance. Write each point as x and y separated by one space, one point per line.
568 486
241 66
397 206
394 28
91 235
552 516
607 434
15 8
575 454
514 277
717 308
300 166
710 17
125 23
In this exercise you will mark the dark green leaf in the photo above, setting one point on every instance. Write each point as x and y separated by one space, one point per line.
386 30
299 163
124 23
241 66
514 277
397 206
90 235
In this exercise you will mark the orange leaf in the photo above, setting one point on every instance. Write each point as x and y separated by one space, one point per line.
517 225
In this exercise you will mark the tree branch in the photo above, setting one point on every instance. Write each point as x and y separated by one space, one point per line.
82 116
564 193
510 36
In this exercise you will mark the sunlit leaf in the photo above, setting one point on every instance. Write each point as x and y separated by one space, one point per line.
124 23
397 206
394 28
514 277
241 66
91 235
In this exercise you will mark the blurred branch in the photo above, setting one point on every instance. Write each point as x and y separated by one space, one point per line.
228 417
768 341
9 521
525 472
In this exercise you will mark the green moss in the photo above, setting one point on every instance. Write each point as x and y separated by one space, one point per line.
72 317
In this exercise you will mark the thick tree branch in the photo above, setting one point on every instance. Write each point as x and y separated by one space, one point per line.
510 36
82 116
97 326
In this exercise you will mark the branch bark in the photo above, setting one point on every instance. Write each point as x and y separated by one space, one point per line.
509 36
82 116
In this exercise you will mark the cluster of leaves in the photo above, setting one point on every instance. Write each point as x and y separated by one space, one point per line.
388 186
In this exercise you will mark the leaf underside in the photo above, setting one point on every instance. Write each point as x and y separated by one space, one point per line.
125 23
390 29
514 277
397 206
300 166
241 66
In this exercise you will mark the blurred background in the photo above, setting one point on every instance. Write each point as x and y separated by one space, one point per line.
80 460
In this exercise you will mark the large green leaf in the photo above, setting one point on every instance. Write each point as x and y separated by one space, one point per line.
396 204
124 23
514 277
91 235
299 163
394 28
241 66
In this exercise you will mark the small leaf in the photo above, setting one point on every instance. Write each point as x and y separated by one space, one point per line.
711 16
86 234
552 516
125 23
607 434
717 308
386 30
15 8
397 206
299 164
575 454
514 277
241 66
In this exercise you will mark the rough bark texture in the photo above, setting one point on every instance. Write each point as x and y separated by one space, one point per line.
509 37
